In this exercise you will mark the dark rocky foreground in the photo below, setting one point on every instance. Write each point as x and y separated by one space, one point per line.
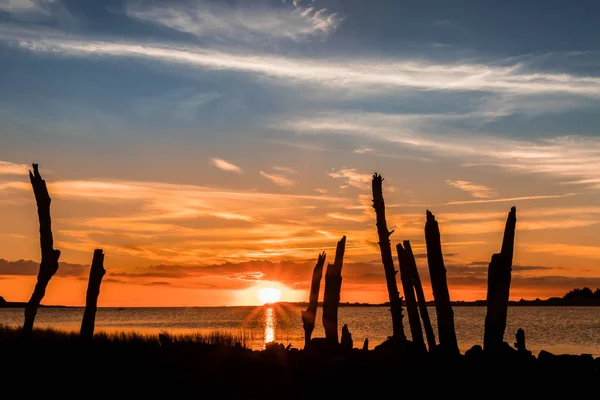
92 369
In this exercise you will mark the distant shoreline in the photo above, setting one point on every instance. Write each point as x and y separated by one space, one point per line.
21 304
551 302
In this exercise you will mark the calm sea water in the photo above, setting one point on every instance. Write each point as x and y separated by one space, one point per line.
560 330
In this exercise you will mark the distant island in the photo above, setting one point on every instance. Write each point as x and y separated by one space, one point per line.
576 297
21 304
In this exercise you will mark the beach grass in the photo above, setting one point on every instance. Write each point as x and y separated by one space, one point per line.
216 364
223 338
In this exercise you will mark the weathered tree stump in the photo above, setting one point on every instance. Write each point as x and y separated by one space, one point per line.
499 277
346 343
439 286
387 259
309 316
333 287
409 295
420 296
520 343
97 272
50 256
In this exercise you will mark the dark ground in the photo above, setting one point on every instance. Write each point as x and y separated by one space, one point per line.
60 365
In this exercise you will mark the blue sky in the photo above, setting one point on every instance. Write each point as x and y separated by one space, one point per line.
466 107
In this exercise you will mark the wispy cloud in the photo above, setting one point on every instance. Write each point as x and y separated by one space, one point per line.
183 223
476 190
352 177
572 159
278 179
8 168
256 24
511 199
366 75
591 252
37 11
348 217
362 150
285 169
26 8
225 165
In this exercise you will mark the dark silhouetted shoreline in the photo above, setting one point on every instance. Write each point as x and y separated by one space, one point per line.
206 367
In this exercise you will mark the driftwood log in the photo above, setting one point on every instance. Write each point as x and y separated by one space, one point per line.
331 298
409 295
386 258
309 316
499 277
420 296
97 272
439 286
50 255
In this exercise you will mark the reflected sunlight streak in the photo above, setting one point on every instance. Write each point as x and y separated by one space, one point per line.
269 325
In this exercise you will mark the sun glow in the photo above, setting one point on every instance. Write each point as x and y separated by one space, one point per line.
269 295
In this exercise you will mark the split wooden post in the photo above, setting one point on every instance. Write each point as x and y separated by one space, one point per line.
333 287
97 272
309 316
409 295
387 259
50 255
420 296
439 286
499 277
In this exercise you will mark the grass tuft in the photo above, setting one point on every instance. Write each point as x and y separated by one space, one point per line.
214 337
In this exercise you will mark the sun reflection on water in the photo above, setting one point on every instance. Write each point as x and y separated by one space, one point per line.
269 322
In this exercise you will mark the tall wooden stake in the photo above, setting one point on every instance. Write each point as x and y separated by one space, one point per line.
333 287
97 272
309 316
499 277
409 295
420 296
50 256
439 286
386 259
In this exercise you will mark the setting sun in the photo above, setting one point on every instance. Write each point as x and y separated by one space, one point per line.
269 295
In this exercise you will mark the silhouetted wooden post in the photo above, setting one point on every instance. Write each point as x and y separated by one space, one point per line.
409 296
346 343
333 286
50 256
499 277
97 272
420 296
520 343
309 316
386 258
439 286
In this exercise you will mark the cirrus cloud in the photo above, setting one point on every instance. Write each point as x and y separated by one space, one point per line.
8 168
225 165
256 24
476 190
278 179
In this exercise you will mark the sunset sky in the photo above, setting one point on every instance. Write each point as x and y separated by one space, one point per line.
213 148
